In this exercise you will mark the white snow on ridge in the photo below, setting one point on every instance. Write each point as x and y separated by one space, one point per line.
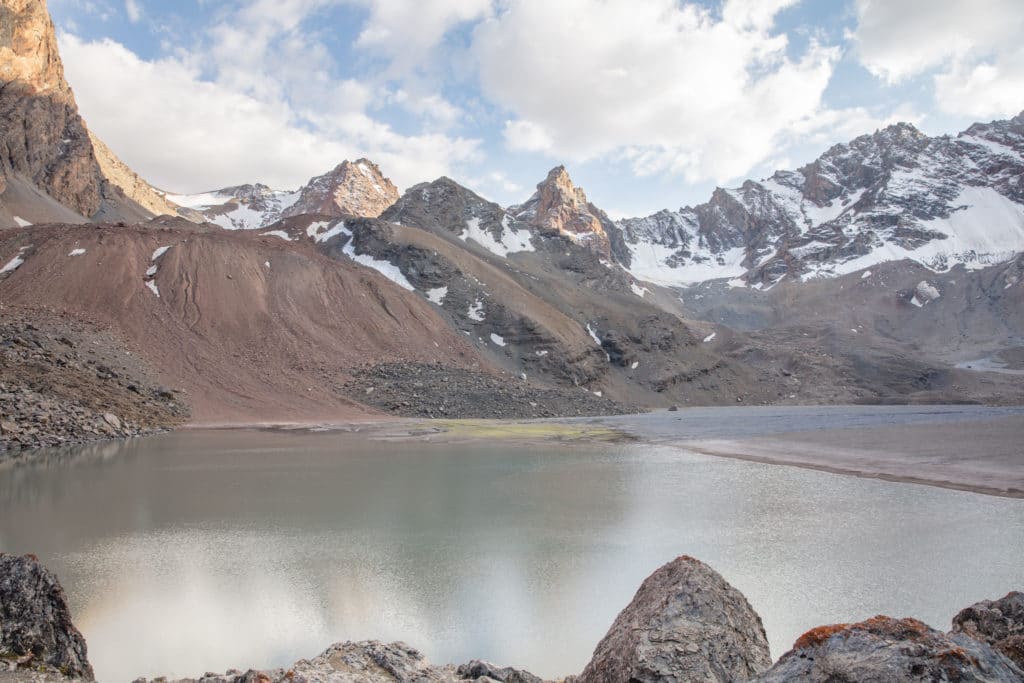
512 241
278 233
437 295
339 229
158 252
203 200
385 268
15 262
648 262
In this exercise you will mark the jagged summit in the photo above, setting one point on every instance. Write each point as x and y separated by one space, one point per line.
890 195
350 188
560 206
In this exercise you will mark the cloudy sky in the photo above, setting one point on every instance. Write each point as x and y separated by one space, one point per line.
649 103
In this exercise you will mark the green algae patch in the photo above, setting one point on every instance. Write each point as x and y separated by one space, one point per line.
525 431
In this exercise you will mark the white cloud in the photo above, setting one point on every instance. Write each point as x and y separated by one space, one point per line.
972 49
406 34
133 10
184 133
668 85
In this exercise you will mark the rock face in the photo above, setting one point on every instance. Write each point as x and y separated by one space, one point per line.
35 625
371 661
686 623
896 193
1000 623
42 138
43 141
353 189
561 207
883 649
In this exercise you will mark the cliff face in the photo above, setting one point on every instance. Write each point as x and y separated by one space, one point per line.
42 137
559 206
44 143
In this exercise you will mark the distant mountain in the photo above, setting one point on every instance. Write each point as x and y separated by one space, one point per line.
896 194
350 189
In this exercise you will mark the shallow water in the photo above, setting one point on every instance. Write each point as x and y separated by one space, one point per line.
206 550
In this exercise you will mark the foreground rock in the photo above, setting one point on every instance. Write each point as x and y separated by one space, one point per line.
36 633
884 649
1000 623
370 661
686 623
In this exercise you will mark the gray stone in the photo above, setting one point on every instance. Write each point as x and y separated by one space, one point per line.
686 623
887 650
35 624
1000 623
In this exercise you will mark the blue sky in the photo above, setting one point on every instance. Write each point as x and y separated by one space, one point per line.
649 103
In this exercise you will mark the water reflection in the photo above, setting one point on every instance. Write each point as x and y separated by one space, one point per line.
202 551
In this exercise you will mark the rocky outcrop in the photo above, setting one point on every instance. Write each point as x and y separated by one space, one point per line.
1000 623
883 649
559 206
350 189
43 140
36 632
371 661
686 623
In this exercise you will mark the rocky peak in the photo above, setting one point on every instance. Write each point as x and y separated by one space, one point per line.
352 189
560 206
28 49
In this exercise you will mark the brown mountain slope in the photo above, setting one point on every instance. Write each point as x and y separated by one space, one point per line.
251 327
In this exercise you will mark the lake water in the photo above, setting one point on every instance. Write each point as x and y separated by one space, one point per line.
206 550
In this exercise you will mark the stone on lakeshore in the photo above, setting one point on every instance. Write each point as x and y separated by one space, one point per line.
686 623
1000 623
887 650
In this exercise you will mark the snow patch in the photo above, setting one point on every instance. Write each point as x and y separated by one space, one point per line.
598 394
865 275
151 271
278 233
22 223
476 311
638 290
15 262
510 242
635 365
385 268
541 353
593 335
153 288
76 252
437 295
497 339
158 252
710 337
266 264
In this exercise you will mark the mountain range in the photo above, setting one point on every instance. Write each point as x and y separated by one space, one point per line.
888 269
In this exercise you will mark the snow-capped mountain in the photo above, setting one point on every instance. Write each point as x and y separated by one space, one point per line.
351 188
243 207
896 194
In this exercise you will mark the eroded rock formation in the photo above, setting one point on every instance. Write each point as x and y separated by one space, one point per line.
1000 623
352 189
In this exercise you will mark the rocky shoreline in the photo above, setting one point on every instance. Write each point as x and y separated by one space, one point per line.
64 382
685 623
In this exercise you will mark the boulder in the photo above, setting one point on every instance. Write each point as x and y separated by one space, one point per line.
1000 623
35 624
887 650
686 623
476 669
